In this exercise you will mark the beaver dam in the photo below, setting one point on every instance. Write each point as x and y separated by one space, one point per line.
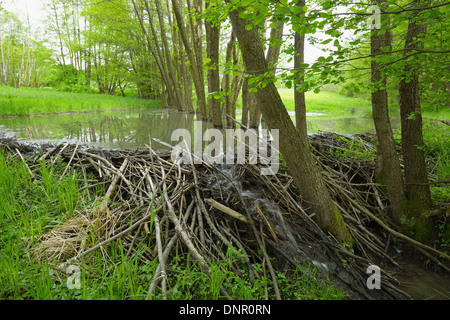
169 210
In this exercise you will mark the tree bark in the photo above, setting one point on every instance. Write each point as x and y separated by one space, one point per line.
391 172
227 106
197 76
170 66
299 97
212 46
416 177
294 149
245 98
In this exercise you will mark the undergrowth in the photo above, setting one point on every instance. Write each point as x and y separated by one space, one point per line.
33 200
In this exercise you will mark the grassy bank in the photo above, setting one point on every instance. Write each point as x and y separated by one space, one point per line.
26 101
335 104
35 198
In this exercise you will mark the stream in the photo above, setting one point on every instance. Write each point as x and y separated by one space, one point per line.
132 129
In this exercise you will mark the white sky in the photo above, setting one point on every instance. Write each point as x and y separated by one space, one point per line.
20 7
37 14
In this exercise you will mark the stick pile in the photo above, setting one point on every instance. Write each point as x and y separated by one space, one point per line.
204 209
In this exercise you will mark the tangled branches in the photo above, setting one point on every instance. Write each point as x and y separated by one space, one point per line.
205 209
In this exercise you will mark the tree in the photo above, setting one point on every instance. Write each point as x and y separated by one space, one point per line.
212 27
293 147
197 76
299 94
416 176
391 170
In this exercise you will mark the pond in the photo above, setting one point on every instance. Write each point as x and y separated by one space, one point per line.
131 129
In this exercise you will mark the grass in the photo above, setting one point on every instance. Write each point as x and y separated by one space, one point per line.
27 101
32 204
335 104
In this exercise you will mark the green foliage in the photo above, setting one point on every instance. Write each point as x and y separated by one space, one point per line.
68 78
437 150
353 149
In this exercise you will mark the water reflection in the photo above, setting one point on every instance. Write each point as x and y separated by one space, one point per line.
132 129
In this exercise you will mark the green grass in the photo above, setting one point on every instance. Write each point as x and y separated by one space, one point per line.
28 101
333 103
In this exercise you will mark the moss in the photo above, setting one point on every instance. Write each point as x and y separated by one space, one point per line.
339 229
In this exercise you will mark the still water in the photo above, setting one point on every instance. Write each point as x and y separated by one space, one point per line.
131 129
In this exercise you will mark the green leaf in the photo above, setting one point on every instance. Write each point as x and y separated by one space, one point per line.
296 10
249 27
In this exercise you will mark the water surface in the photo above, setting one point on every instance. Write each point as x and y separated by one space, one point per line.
131 129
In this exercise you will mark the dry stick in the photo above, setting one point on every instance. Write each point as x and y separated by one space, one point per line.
98 246
48 152
187 241
166 252
392 231
160 257
60 151
23 160
227 210
112 187
70 161
255 232
267 222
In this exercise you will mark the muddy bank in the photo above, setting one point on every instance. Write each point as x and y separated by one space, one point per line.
206 207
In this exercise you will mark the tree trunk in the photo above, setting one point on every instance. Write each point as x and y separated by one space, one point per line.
293 147
391 172
4 67
227 106
197 76
245 99
170 66
416 178
299 97
212 45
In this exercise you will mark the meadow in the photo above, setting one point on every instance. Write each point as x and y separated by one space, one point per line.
333 103
32 101
28 101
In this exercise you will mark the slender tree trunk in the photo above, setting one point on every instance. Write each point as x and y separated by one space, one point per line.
227 106
391 170
245 99
236 88
212 45
299 96
416 177
4 67
293 147
58 31
197 76
170 66
156 54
